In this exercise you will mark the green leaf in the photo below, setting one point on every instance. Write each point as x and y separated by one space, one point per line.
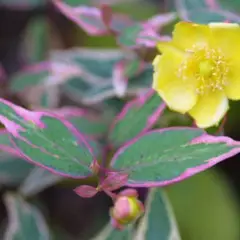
36 39
13 170
32 76
25 221
204 11
204 17
158 221
47 141
121 22
5 143
141 81
77 2
88 18
233 5
36 86
136 117
93 82
132 68
87 122
49 97
191 4
97 62
165 156
98 65
188 5
113 106
129 35
96 147
37 180
137 35
109 233
78 90
145 33
91 78
89 126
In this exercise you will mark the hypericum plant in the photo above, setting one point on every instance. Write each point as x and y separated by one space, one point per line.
107 136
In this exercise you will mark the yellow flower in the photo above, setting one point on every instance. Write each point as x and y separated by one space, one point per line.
199 70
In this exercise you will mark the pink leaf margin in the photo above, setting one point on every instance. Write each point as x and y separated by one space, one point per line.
120 81
74 14
35 68
120 77
150 26
149 35
69 111
158 21
8 148
149 38
204 138
212 4
35 117
139 102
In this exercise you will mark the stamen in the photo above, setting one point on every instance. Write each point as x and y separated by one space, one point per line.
207 66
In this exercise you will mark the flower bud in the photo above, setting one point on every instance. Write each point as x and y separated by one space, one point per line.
126 209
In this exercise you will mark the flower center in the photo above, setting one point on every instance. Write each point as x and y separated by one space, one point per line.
207 66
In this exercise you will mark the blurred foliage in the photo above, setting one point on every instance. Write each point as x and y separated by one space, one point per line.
206 206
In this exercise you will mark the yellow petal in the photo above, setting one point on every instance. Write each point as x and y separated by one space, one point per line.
166 64
180 95
187 35
232 89
210 109
156 62
169 47
226 37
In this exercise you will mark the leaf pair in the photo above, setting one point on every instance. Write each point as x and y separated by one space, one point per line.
156 158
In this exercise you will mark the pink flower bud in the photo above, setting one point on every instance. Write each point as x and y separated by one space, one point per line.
126 209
